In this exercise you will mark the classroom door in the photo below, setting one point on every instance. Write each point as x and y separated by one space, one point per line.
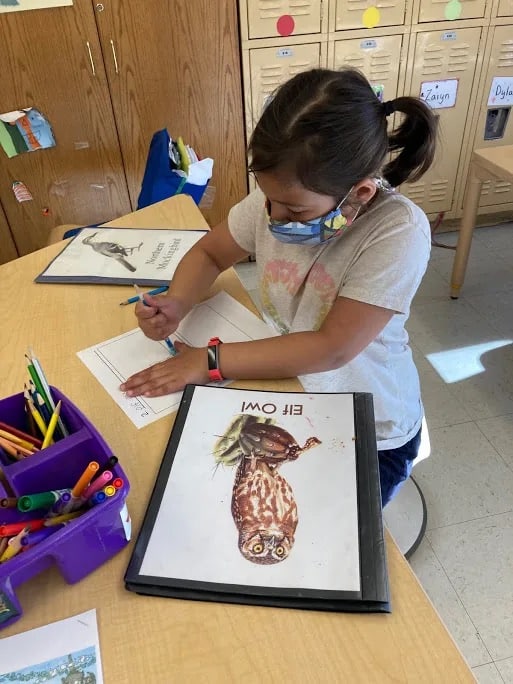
54 63
8 249
443 75
176 65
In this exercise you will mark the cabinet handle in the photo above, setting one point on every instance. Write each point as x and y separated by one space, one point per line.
93 70
114 56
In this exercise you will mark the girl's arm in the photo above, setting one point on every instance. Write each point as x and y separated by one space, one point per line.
349 327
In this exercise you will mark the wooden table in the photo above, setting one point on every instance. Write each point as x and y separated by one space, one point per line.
495 162
157 640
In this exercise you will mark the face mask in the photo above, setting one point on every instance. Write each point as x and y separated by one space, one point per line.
312 233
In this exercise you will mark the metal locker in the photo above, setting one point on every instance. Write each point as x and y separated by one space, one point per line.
441 10
270 18
505 8
378 58
357 14
495 123
444 64
269 67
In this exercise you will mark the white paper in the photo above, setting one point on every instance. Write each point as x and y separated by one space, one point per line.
21 5
501 92
47 654
115 360
439 94
200 172
195 537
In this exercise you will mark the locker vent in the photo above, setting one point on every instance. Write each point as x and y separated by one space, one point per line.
438 59
486 187
428 193
378 68
273 9
361 5
505 58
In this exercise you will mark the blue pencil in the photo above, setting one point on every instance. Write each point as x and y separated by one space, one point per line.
156 291
168 342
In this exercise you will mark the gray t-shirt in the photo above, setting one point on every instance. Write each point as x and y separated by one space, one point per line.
380 259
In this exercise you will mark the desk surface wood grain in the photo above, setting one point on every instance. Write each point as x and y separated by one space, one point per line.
157 640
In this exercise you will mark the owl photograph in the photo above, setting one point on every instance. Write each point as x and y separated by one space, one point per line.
263 506
259 491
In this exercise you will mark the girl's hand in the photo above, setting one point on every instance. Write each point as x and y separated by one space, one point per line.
159 316
190 365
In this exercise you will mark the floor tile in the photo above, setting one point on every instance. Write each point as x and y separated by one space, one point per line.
499 432
487 674
505 668
477 557
497 309
464 478
431 575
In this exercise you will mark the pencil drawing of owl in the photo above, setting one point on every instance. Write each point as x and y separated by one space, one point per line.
263 506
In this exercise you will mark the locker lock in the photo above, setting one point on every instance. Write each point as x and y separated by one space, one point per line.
496 121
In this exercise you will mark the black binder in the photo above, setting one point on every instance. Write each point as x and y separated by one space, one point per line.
196 544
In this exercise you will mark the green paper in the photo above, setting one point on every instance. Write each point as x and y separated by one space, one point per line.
453 10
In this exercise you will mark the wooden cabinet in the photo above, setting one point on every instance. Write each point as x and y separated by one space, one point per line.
7 247
107 76
52 60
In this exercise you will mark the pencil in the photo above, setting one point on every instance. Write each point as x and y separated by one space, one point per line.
36 415
47 394
51 426
19 433
156 291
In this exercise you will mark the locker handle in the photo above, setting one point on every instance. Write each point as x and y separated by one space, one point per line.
114 56
93 70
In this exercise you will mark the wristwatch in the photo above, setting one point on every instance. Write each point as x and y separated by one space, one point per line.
213 360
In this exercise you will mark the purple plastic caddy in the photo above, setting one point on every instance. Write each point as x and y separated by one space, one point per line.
85 542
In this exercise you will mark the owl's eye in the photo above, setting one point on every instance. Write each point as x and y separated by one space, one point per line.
258 548
279 550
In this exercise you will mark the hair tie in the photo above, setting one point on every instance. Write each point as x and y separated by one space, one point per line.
389 107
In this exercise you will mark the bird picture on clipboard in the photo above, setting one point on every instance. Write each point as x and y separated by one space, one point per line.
113 250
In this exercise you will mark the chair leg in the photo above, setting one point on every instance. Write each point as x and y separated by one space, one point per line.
406 517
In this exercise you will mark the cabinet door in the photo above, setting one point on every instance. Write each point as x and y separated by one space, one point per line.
269 67
505 8
283 17
442 61
353 14
164 73
8 250
378 58
495 123
441 10
48 66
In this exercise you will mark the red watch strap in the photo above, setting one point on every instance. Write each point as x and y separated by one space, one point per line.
214 372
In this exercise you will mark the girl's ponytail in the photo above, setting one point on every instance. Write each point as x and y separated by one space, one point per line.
415 139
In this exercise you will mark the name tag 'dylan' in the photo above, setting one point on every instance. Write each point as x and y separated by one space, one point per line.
501 92
439 94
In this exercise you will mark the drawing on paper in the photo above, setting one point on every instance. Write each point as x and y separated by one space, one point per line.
263 506
114 250
77 668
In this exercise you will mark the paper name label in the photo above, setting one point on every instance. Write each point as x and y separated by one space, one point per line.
368 44
501 92
449 35
439 94
285 52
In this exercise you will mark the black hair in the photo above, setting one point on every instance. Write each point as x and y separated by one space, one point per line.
329 129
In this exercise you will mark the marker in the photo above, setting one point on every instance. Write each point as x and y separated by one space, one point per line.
110 490
31 502
168 342
97 498
86 477
117 483
98 484
110 463
11 529
60 505
156 291
9 502
51 426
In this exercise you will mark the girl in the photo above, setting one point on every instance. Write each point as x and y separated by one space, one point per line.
339 255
